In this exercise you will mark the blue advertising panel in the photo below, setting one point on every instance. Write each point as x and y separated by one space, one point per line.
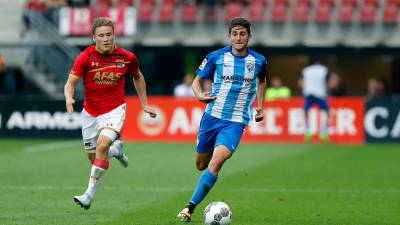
38 119
382 120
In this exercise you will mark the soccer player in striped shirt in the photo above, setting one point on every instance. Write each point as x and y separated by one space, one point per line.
239 75
103 68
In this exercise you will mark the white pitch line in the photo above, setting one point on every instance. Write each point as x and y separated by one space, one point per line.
181 189
52 146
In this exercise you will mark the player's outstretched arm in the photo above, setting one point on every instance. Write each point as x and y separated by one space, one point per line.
140 86
69 91
261 87
201 96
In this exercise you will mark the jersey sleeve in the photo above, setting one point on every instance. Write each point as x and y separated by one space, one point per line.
80 64
263 71
207 67
134 65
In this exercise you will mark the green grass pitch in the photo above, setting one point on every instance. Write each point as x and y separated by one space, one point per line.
264 184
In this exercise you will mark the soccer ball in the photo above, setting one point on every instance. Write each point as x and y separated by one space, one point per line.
217 213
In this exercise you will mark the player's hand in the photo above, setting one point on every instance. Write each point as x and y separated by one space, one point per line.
151 111
206 97
69 103
259 115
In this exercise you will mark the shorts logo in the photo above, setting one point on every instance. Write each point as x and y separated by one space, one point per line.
250 67
88 144
203 64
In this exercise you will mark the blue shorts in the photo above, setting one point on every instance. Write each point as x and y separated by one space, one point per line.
214 132
311 100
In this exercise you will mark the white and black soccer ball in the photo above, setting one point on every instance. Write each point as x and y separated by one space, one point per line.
217 213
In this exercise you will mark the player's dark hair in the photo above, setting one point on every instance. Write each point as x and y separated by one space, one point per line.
102 21
239 21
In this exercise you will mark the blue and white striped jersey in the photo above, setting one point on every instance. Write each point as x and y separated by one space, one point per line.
234 83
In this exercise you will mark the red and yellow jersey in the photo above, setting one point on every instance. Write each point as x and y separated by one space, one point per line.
104 77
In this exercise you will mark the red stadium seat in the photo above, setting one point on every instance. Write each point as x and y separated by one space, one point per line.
323 13
346 14
368 14
393 2
371 2
104 2
189 13
327 2
281 2
166 13
304 2
173 2
145 12
300 13
151 2
279 13
350 2
390 14
256 12
232 10
125 2
258 2
212 15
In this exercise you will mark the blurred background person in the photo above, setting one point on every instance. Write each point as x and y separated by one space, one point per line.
336 86
185 88
277 90
314 82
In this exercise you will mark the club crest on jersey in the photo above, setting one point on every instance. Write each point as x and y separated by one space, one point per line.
120 65
250 67
95 63
203 64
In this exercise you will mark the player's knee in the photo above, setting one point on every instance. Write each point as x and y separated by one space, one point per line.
201 165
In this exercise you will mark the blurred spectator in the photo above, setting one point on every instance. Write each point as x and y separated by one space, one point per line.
336 86
11 82
376 88
372 88
52 10
185 88
277 90
30 7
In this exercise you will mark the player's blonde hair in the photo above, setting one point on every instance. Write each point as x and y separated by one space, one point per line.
102 21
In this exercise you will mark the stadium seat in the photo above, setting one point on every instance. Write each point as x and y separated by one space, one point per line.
125 2
371 2
281 2
104 2
189 13
368 14
393 2
346 14
173 2
232 10
166 13
350 2
279 13
151 2
300 13
258 2
327 2
390 14
256 12
304 2
145 12
323 14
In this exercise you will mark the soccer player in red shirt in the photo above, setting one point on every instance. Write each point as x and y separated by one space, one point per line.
103 68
